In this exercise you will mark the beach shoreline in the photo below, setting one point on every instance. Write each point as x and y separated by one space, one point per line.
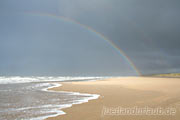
123 92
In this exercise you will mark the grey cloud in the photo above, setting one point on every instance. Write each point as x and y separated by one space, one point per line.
147 31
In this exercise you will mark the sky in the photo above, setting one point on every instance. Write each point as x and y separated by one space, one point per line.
32 42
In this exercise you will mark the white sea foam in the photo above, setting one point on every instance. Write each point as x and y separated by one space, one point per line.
51 108
18 79
58 109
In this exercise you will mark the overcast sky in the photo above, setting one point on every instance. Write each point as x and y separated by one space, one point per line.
148 31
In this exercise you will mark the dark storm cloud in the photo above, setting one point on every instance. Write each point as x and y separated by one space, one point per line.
143 29
148 31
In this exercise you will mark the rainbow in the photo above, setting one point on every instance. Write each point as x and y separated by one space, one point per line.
114 46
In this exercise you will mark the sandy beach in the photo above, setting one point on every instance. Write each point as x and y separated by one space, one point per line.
124 92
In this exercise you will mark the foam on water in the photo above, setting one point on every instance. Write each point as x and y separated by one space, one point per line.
30 90
59 112
19 79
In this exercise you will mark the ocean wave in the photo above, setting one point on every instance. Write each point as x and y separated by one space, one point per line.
32 99
19 79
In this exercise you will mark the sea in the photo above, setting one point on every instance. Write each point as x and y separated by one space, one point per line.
28 98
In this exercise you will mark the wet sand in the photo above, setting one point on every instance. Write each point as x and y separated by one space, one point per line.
125 92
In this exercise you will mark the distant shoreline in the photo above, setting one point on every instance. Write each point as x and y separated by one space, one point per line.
166 75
